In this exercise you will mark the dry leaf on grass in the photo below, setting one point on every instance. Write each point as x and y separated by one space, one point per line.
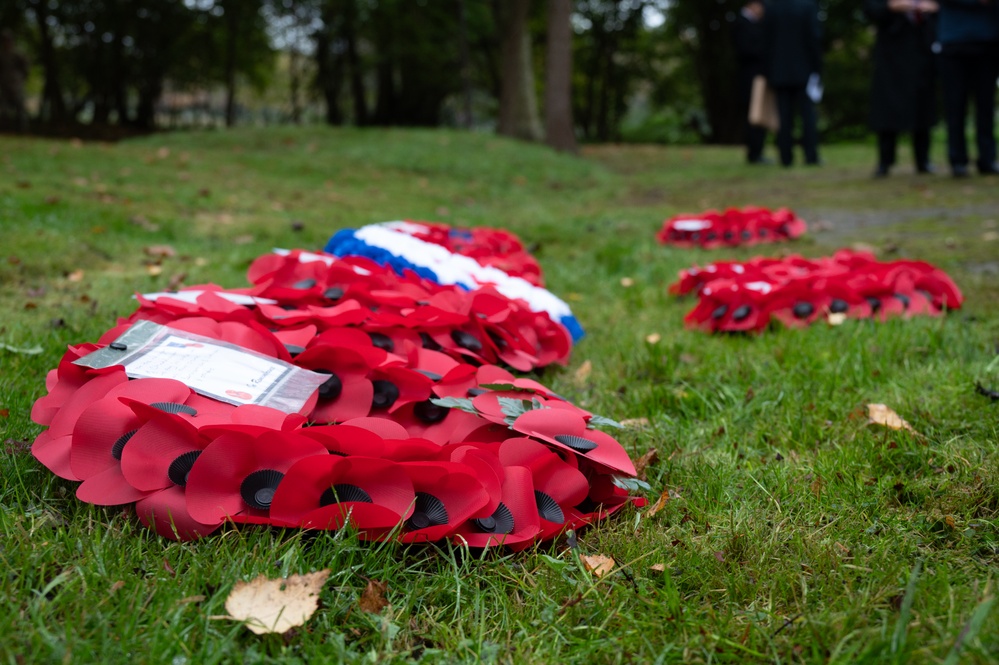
160 251
879 414
276 606
658 568
836 319
659 504
651 456
635 423
654 338
597 564
373 597
583 373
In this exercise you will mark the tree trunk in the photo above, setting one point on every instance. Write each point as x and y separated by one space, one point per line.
518 112
329 70
53 106
232 33
560 131
295 83
354 62
466 68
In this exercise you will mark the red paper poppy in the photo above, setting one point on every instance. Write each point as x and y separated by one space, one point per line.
447 494
236 476
515 519
166 513
567 430
558 487
374 495
53 446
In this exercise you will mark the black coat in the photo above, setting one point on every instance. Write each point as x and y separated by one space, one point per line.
794 51
903 89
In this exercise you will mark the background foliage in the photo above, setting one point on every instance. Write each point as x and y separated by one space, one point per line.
645 70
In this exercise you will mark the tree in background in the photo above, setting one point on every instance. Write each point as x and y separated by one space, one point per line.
518 109
560 130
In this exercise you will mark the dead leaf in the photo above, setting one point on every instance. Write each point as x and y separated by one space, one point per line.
658 567
635 423
4 413
154 270
864 247
659 504
160 251
276 606
654 338
373 597
163 152
816 487
627 282
880 414
583 373
176 282
190 599
990 236
598 564
651 456
75 276
117 585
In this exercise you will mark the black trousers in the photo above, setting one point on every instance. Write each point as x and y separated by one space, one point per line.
791 102
888 141
970 75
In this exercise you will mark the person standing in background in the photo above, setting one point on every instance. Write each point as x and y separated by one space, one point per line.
13 74
751 49
968 34
794 55
903 90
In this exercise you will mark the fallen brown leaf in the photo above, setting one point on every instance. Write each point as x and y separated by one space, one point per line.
160 251
276 606
659 504
75 276
880 414
658 567
627 282
580 376
598 564
373 597
654 338
651 456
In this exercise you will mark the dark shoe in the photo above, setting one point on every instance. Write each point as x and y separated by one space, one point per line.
926 169
989 169
881 171
959 171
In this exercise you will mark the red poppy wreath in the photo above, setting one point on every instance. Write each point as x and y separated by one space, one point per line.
731 227
743 296
331 393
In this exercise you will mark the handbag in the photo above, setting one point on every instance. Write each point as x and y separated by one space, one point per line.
763 105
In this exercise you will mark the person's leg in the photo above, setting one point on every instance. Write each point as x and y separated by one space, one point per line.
955 96
983 83
755 138
921 150
785 134
809 128
886 151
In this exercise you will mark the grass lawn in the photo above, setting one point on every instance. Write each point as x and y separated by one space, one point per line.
795 531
